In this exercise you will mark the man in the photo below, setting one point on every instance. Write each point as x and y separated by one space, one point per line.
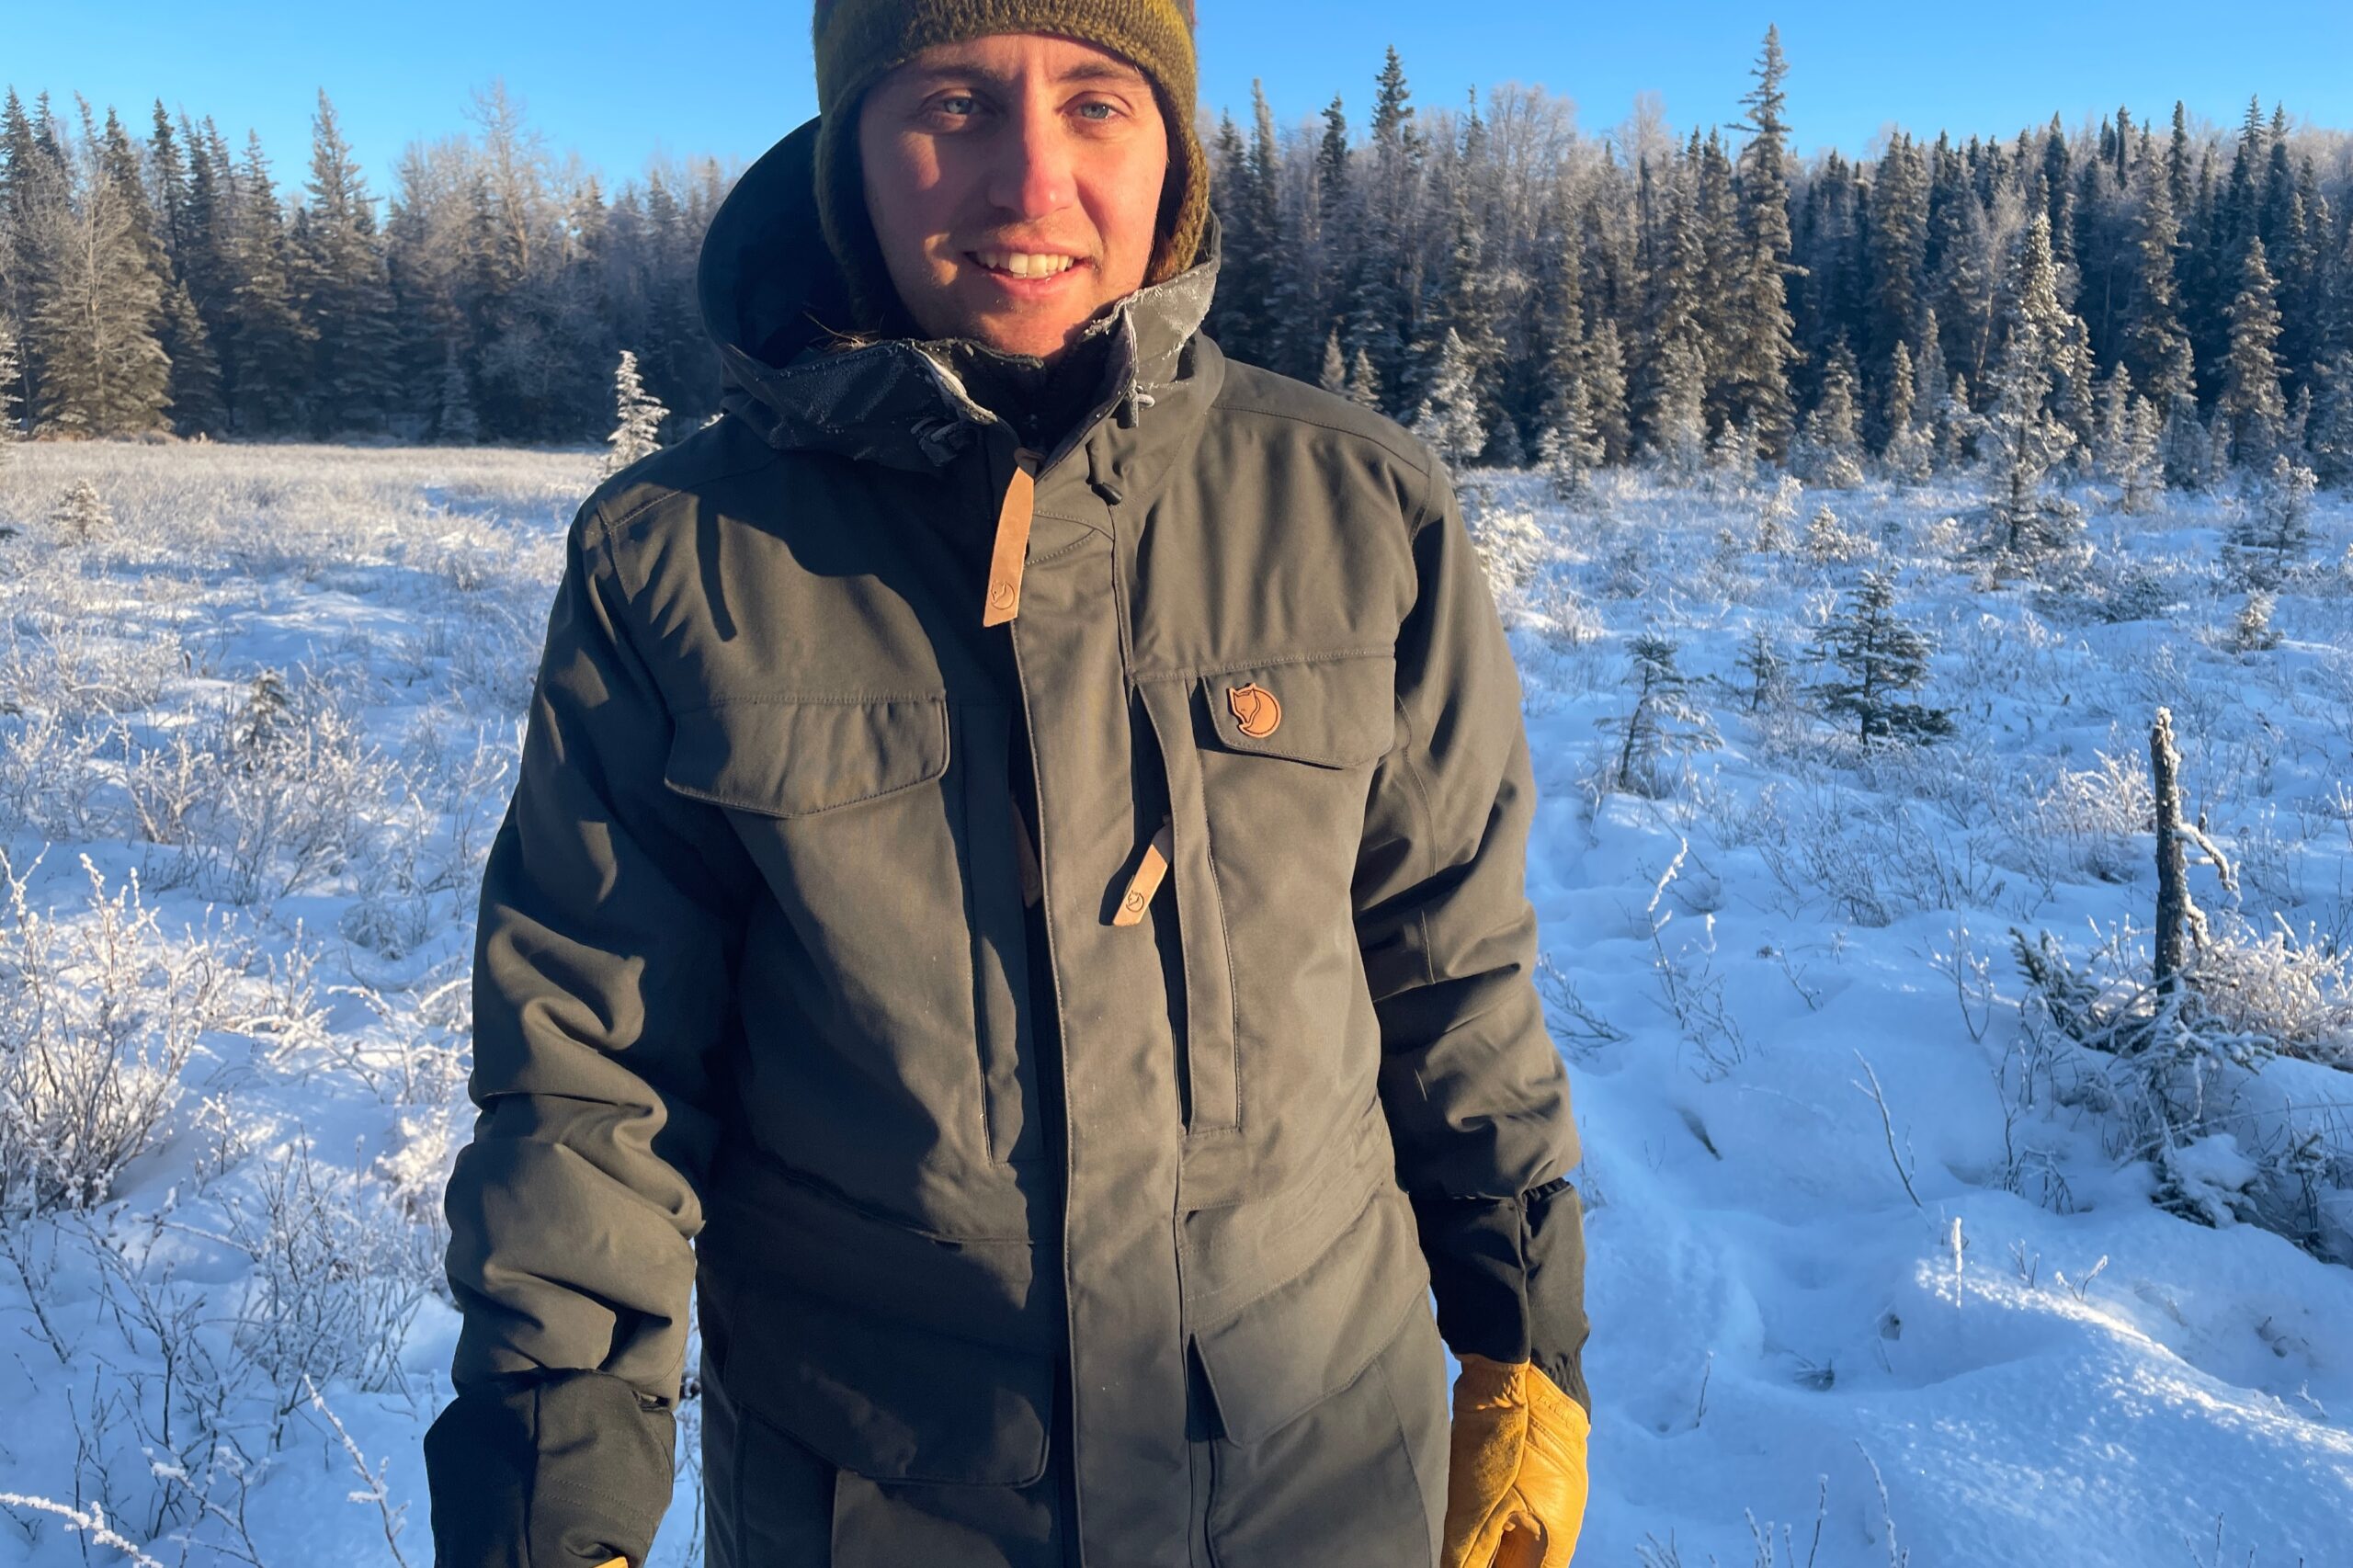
1015 884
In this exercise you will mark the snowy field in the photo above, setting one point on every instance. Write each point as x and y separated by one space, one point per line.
1888 1267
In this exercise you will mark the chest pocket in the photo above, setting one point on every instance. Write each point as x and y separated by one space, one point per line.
1269 766
866 817
798 759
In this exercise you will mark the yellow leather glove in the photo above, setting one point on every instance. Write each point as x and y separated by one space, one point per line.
1516 1476
614 1562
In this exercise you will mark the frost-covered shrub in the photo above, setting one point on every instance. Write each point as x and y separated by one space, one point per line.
2179 1066
269 793
338 1272
1562 614
97 1016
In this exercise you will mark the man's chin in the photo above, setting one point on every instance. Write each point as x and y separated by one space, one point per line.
1041 337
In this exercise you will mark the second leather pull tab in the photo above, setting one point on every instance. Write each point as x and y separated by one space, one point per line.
1012 550
1148 877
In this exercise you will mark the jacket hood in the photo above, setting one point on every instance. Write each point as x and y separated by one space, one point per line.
772 294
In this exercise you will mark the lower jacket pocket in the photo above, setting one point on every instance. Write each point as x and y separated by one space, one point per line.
1308 1337
893 1354
1358 1478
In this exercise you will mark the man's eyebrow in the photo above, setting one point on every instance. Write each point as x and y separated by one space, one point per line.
1083 70
1100 70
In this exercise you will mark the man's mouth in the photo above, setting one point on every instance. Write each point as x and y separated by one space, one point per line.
1024 264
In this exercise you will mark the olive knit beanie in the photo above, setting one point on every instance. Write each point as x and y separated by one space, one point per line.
857 41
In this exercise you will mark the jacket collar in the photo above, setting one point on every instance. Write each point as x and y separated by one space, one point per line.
770 292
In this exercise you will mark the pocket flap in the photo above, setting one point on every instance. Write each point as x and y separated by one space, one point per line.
1292 1349
1336 712
795 757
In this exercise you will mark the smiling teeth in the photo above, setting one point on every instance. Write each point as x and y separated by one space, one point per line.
1022 264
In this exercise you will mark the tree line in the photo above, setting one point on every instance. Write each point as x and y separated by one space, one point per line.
2159 297
167 283
1518 289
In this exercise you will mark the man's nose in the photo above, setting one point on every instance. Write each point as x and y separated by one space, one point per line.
1033 174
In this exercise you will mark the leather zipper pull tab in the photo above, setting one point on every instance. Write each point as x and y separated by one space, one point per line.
1147 879
1012 550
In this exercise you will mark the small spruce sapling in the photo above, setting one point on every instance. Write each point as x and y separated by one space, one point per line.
81 515
2140 469
2271 537
1664 720
1775 515
1881 659
2254 632
1767 669
1828 539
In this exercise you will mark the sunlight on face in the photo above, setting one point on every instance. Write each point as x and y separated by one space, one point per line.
1013 181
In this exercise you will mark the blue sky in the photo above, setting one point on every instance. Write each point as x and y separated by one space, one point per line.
619 82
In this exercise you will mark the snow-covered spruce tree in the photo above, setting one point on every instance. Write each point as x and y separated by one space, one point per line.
1828 540
1364 382
1449 415
2114 430
1334 375
639 433
1769 679
453 413
2271 536
1605 381
1760 336
1910 453
2329 436
1931 384
1734 455
2141 474
1776 515
1880 658
81 515
1679 417
1665 720
1830 451
11 377
2025 434
2155 346
95 301
1570 448
2186 445
348 296
2251 404
265 344
2253 631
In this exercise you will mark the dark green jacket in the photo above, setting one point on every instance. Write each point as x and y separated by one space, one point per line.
754 974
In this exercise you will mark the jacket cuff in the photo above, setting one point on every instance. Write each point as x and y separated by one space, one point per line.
563 1470
1509 1278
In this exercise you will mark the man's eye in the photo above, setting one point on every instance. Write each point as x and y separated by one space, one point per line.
955 104
1109 111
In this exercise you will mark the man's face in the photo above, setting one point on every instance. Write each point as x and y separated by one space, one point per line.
1014 181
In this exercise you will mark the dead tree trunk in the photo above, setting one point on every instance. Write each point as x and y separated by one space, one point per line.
2173 859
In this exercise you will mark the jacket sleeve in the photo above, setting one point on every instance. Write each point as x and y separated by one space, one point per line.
604 953
1475 1091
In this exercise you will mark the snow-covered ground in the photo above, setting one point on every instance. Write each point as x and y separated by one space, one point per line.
1878 1273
